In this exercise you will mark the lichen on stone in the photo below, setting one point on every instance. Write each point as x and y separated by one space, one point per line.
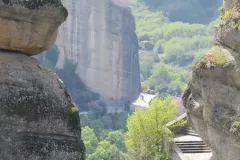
236 124
187 92
214 56
73 117
72 109
227 13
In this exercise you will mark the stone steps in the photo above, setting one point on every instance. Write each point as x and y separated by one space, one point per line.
190 146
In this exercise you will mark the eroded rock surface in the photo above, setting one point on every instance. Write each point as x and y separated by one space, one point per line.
99 38
213 97
37 117
30 26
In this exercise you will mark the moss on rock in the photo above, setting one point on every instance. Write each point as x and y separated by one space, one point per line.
236 124
73 117
186 93
215 56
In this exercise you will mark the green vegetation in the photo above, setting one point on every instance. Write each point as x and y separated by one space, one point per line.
168 49
73 120
173 35
236 124
148 136
193 11
103 140
214 56
72 109
227 13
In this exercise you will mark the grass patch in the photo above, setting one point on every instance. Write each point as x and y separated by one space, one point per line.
72 109
214 56
236 124
227 13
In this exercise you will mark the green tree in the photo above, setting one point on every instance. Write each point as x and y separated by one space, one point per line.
107 122
168 79
106 151
97 125
148 135
201 11
117 138
90 140
119 120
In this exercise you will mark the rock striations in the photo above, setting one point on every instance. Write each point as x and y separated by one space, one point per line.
99 37
213 97
30 26
37 117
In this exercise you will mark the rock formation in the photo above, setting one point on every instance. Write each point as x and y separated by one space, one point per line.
212 98
30 26
99 37
37 117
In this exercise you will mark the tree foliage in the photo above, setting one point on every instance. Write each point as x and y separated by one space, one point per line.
148 136
112 147
194 11
174 46
90 139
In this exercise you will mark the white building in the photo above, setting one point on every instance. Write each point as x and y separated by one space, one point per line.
143 101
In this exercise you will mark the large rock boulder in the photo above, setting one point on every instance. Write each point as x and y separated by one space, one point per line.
30 26
212 98
37 117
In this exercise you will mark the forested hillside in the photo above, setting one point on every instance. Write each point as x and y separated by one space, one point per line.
173 35
190 11
169 49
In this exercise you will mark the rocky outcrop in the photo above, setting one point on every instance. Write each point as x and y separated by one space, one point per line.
30 26
212 98
37 117
99 38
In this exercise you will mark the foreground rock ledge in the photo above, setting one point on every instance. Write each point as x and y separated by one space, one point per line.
213 96
212 102
37 117
30 26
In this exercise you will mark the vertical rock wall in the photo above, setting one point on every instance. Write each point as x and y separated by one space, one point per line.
37 117
212 98
99 37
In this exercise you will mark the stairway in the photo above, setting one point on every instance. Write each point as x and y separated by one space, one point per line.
192 146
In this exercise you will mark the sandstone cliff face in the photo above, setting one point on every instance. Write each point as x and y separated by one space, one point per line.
212 99
30 26
37 117
99 37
